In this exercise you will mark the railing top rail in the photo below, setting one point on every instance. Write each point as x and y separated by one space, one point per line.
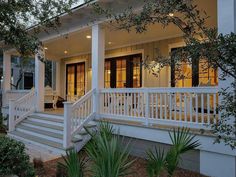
83 98
32 91
162 90
18 91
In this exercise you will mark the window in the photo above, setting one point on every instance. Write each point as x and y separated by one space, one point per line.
196 73
123 72
207 74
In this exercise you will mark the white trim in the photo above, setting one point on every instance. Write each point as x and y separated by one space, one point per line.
121 54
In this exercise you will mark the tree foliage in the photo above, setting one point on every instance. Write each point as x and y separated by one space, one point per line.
22 20
202 42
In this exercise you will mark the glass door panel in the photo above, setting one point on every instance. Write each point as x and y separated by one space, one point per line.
136 72
70 80
80 79
120 73
107 76
75 81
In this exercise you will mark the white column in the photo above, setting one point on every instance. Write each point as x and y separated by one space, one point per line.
98 59
6 71
211 163
226 25
39 84
58 77
6 84
98 55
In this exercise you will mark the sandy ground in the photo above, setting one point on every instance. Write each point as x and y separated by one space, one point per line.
138 169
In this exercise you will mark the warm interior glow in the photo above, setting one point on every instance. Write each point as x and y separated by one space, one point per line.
88 37
65 52
171 14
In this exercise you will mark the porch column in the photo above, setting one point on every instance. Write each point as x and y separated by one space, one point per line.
6 84
6 72
98 55
212 163
58 77
39 83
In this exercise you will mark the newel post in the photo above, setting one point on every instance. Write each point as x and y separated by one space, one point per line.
67 124
147 107
11 123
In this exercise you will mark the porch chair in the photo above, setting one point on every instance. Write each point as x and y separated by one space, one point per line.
50 97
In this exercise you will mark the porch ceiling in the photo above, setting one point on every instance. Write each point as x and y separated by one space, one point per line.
76 43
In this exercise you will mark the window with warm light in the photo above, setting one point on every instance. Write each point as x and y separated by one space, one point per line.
123 72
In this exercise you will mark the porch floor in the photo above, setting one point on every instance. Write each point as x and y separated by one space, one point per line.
58 111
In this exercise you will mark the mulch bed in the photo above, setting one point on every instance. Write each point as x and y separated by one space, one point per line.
49 169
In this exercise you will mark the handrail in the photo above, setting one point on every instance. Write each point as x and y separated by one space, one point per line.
21 108
162 90
13 95
76 115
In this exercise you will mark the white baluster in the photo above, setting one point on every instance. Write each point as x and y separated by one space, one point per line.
202 107
191 107
208 108
147 107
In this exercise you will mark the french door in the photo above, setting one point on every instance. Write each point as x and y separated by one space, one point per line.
123 72
75 80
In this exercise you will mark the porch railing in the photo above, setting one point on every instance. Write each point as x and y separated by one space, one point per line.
21 108
13 95
191 107
76 115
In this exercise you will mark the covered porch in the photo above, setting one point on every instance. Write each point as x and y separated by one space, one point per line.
109 60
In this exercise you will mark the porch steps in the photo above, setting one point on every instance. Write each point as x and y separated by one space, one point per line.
46 131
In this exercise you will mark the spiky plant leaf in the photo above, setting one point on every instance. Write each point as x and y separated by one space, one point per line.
182 142
155 162
73 164
108 155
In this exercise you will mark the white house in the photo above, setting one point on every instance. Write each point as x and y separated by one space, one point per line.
99 73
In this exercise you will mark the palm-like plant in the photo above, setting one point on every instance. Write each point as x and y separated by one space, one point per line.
108 155
182 142
156 162
73 164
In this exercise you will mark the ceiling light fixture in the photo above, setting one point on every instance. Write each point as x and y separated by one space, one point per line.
109 43
171 14
45 48
65 52
88 37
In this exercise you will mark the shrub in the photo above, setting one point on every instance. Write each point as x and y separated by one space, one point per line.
13 159
2 126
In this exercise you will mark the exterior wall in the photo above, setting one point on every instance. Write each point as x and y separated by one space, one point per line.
139 147
209 159
151 50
